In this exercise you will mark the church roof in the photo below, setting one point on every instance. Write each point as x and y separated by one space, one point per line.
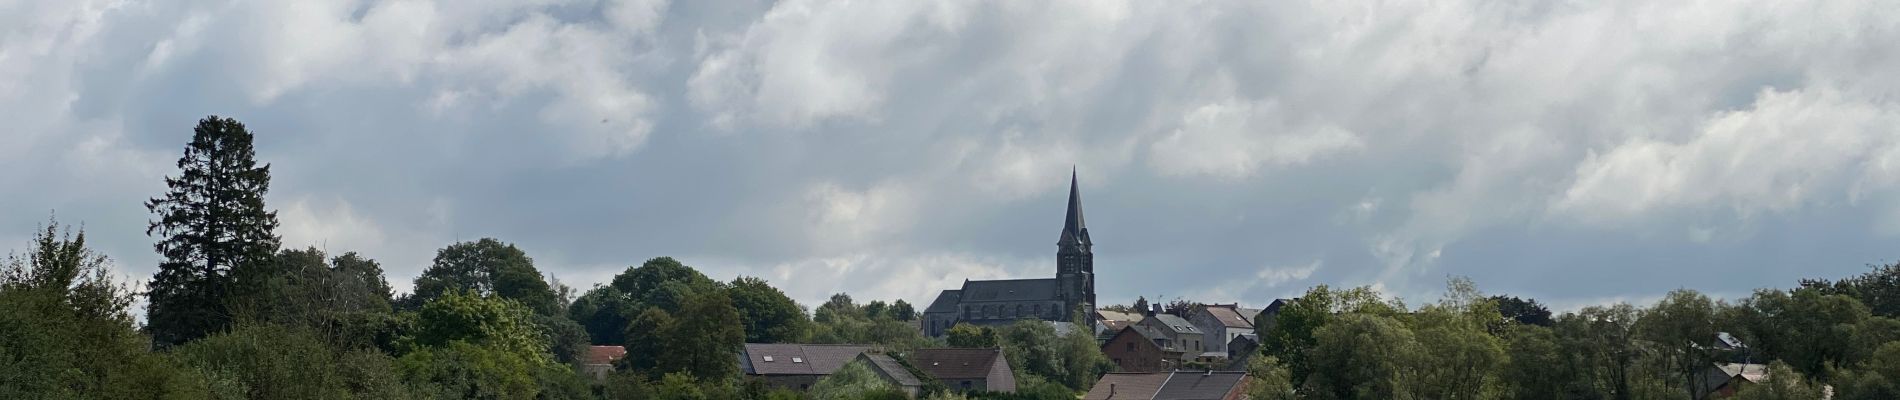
946 302
1009 290
1074 229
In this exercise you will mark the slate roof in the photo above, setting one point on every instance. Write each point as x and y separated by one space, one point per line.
1117 315
1211 385
1009 290
1074 229
1175 323
1166 385
955 363
946 302
890 367
796 359
1125 385
1228 316
1249 314
604 355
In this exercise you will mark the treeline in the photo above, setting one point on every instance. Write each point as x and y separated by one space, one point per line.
1821 338
234 314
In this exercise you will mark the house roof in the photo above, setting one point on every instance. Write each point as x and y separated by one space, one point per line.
1175 323
1249 314
604 355
796 359
890 367
946 302
1209 385
955 363
1228 316
1009 290
1108 315
1124 385
1181 385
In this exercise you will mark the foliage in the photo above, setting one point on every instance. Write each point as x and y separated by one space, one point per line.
213 232
903 311
1523 311
1271 380
768 314
280 362
490 268
1783 384
971 336
1681 325
464 370
1362 356
853 381
491 322
602 312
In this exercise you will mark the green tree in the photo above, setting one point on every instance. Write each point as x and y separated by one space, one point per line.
877 309
464 370
602 311
278 362
65 331
1082 360
705 344
1033 348
1523 311
493 322
1533 355
661 282
1363 356
1601 341
213 232
1876 378
768 314
1454 335
854 381
903 311
647 337
971 336
1783 384
1271 381
1682 325
487 267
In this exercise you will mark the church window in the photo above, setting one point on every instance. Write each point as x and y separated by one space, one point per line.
1037 309
1019 311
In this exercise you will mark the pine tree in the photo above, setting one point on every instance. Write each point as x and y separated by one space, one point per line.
213 231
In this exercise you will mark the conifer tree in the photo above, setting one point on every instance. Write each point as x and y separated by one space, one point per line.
212 230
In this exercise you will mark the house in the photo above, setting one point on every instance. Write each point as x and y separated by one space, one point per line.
893 372
1181 334
965 370
1220 323
1721 380
1242 350
1139 348
1179 385
1263 319
795 366
600 360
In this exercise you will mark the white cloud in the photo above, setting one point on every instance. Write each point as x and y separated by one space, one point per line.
1234 139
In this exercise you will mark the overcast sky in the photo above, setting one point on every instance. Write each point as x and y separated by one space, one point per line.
1575 152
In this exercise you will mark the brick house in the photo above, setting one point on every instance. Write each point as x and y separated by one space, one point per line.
965 370
795 366
1139 349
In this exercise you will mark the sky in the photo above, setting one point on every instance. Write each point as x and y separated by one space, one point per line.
1228 151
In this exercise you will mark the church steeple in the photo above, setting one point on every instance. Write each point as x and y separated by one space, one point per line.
1075 230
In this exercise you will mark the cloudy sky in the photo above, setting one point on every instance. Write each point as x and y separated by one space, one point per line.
1576 152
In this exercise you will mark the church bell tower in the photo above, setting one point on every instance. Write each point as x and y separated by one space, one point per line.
1075 257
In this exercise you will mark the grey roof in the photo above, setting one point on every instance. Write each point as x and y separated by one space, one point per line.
1148 332
1009 290
1175 323
1212 385
796 359
946 302
1228 316
1074 229
1249 314
887 366
956 363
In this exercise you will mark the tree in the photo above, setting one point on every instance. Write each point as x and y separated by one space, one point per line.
1877 378
705 344
1363 356
768 314
1783 384
280 362
839 306
1082 360
65 331
877 309
1033 348
487 267
602 311
1181 307
1454 334
1603 342
854 381
1141 304
1533 353
903 311
1523 311
1270 380
1682 325
493 322
213 232
661 282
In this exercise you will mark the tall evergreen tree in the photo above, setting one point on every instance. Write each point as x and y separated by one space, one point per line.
213 231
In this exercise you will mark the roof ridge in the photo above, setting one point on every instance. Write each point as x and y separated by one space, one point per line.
1163 385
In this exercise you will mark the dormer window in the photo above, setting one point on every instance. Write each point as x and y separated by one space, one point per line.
768 358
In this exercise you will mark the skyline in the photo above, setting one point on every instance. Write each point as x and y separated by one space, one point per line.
1576 154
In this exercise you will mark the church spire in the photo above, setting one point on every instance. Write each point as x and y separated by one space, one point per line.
1074 230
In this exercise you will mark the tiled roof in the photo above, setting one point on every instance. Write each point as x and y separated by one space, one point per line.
1009 290
797 359
604 355
1121 385
1117 315
955 363
1200 385
1228 316
946 302
1166 385
890 367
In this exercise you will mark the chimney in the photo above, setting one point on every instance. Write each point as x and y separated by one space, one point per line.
1156 310
1111 390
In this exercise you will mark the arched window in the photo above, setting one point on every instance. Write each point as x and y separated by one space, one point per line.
1037 309
1019 311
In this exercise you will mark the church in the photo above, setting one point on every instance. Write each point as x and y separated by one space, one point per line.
1071 294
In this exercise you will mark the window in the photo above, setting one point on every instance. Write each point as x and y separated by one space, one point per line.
1019 310
1036 309
796 360
768 358
1131 346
